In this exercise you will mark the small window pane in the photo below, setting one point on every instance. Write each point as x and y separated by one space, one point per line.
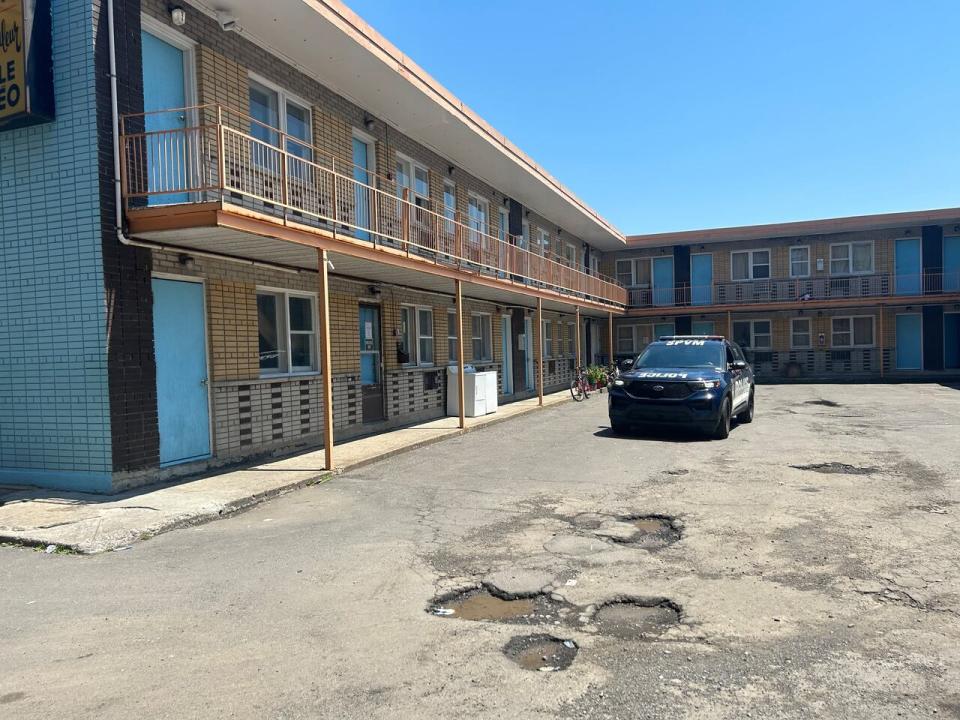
625 272
263 108
863 331
625 339
301 351
799 262
741 333
268 332
426 350
862 257
301 314
740 269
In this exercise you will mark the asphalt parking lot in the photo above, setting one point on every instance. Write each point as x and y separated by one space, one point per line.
808 566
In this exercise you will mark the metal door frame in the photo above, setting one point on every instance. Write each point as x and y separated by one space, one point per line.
373 304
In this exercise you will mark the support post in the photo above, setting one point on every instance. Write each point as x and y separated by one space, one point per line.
460 379
576 352
540 354
610 336
729 327
325 364
881 343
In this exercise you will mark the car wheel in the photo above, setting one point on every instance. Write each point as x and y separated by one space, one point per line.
747 415
722 431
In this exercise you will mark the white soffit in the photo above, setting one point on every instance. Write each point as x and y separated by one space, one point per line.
326 40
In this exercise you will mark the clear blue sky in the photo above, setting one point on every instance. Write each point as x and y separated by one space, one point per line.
672 115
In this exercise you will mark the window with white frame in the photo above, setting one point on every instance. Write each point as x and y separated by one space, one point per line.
571 339
626 339
543 241
799 262
416 335
273 109
525 238
750 265
287 333
453 336
800 333
752 334
414 178
854 331
547 338
503 229
854 258
478 214
625 272
482 336
570 254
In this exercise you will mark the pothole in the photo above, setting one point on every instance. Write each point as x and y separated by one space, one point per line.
835 468
825 403
481 604
633 619
543 653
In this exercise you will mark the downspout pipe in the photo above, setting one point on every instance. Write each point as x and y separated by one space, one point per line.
115 122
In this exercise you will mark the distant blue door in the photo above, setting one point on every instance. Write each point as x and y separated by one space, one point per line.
506 342
180 346
166 146
701 327
701 279
362 194
908 267
663 281
663 329
909 342
951 341
951 264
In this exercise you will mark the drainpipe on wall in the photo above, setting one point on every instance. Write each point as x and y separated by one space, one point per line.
115 121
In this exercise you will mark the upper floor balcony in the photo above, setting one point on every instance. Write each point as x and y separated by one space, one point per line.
773 291
212 154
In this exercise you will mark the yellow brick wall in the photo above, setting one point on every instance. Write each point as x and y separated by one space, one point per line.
232 313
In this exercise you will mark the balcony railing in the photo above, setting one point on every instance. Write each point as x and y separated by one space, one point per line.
772 291
205 153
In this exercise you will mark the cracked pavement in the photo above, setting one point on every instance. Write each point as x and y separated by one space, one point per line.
803 593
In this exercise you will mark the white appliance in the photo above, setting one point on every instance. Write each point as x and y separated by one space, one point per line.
479 392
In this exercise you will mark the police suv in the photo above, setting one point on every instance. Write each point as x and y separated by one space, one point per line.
702 381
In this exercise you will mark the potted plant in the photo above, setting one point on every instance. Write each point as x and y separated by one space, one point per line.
596 377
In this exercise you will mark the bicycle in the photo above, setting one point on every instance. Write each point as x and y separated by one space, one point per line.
580 386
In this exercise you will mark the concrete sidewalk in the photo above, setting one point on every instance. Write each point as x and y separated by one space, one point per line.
89 523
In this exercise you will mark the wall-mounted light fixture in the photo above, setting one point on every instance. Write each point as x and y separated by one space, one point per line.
185 261
368 122
526 214
374 290
228 22
178 16
450 169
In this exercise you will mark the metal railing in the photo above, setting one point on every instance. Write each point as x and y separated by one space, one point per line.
210 152
772 291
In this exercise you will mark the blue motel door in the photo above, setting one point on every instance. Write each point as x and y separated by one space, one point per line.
909 267
362 194
909 341
166 146
663 281
951 264
701 279
180 347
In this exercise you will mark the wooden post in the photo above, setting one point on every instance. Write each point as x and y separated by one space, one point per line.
325 364
729 327
610 336
540 344
460 379
576 353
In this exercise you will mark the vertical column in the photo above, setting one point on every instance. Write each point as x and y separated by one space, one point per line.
610 336
325 364
880 339
729 327
577 350
460 379
540 354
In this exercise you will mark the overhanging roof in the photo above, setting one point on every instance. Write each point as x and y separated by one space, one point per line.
824 226
331 43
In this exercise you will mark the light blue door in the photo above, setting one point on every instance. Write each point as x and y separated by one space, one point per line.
701 327
908 266
180 347
951 341
363 195
506 337
663 281
909 339
166 146
662 329
951 264
701 279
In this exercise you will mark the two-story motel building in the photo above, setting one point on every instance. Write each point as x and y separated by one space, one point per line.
258 228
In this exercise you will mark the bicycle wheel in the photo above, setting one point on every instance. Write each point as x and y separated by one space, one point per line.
586 388
576 389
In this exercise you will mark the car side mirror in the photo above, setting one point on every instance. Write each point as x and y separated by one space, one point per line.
626 365
738 365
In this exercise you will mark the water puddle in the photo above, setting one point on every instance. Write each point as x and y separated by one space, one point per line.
836 468
543 653
637 619
483 605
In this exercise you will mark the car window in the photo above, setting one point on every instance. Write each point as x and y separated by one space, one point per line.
739 353
731 355
681 353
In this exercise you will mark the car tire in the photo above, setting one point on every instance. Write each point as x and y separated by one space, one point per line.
747 415
722 430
